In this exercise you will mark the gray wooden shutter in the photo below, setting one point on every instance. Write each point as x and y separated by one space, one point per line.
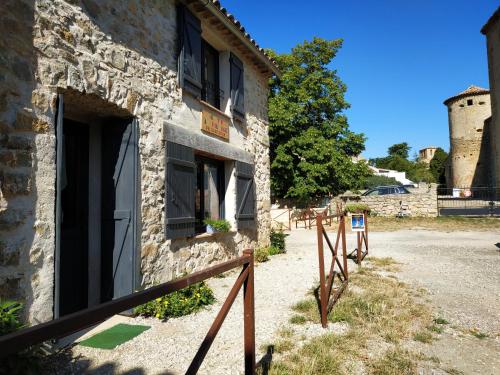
189 51
124 213
237 89
245 195
180 191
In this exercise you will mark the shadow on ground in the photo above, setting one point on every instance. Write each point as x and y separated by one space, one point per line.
63 363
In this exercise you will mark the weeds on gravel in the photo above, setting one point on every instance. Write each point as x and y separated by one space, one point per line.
423 336
261 255
376 308
435 328
478 334
387 263
298 319
394 362
441 223
440 320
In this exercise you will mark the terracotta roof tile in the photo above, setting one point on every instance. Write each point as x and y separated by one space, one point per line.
470 91
237 23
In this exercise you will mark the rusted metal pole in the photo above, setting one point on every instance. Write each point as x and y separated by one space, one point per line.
322 288
219 319
249 316
366 231
344 247
360 243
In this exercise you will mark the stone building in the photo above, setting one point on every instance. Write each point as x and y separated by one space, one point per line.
470 158
492 32
124 124
426 154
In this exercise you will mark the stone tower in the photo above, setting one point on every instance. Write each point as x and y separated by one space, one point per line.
469 159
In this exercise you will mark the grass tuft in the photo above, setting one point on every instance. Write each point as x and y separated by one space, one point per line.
440 320
423 336
298 319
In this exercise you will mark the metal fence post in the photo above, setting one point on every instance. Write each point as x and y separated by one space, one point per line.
249 316
344 247
322 288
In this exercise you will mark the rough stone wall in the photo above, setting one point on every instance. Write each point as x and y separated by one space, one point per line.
493 46
469 159
121 52
421 202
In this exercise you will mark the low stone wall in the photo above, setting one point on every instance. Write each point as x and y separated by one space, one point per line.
422 202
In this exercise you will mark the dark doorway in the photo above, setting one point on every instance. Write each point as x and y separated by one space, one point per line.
96 210
74 221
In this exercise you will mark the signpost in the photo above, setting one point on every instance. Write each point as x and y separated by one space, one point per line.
358 222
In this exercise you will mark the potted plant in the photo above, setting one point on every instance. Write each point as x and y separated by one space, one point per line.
217 225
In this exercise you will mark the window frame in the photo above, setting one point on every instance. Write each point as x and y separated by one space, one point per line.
217 92
200 227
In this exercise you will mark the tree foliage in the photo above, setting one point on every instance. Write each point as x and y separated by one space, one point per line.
437 166
399 149
397 160
374 181
311 144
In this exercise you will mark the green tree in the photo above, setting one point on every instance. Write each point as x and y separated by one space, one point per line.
311 144
374 181
399 149
437 166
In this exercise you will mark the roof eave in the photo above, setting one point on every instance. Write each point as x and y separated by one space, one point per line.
258 52
491 21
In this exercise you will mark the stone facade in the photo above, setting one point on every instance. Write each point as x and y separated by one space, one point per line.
469 158
116 57
492 32
422 202
426 154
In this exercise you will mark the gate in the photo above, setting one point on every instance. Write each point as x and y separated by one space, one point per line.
478 201
17 341
328 295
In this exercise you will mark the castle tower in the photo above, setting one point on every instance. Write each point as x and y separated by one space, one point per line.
469 158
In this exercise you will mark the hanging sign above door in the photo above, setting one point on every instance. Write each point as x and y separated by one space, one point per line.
215 122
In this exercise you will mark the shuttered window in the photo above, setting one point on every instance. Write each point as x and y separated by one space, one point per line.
245 195
189 51
237 88
180 191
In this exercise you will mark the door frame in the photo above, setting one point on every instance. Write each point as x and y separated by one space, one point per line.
135 227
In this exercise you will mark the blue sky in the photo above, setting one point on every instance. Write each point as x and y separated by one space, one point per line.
400 60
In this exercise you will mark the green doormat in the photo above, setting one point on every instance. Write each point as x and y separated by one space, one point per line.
114 336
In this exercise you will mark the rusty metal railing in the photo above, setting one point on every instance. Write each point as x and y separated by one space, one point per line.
328 294
358 254
17 341
280 224
308 216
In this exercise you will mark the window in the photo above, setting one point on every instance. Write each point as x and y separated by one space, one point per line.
210 75
209 196
469 102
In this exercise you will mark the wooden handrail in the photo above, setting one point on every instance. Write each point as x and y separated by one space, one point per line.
326 284
17 341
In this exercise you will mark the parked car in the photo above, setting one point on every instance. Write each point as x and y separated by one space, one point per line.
385 190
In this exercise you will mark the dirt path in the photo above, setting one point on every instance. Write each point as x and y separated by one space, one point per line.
459 270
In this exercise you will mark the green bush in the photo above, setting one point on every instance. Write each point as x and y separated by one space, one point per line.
273 250
278 240
357 208
24 362
10 319
218 225
183 302
261 254
374 181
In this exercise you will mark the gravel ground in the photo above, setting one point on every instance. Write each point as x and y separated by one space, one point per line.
460 271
